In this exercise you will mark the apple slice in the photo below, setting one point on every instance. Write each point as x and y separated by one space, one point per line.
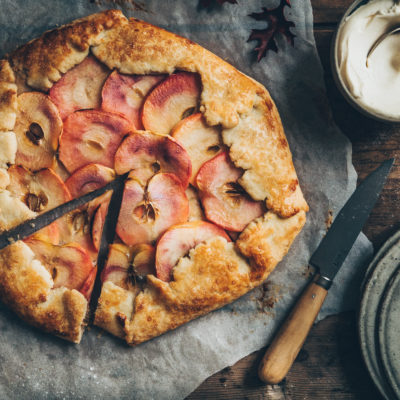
146 153
87 287
117 268
126 266
195 210
89 178
91 137
40 191
82 181
37 129
80 88
202 142
60 170
170 101
76 227
224 201
50 233
143 260
98 223
124 94
69 265
178 240
146 213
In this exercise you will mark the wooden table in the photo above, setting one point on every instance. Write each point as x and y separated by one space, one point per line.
329 365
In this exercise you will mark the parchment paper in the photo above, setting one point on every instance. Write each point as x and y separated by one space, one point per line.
34 365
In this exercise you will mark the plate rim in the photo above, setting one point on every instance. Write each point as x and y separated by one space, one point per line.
371 278
383 320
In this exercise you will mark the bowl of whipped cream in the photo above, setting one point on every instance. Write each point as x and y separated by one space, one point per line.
373 86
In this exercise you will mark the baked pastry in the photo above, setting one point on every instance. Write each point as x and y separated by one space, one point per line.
212 202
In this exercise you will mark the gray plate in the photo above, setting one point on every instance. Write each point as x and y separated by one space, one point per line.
380 254
381 269
389 327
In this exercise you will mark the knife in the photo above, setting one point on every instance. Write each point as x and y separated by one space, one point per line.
31 226
107 237
328 258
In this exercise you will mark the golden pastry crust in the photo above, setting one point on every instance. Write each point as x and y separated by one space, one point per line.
259 146
26 287
216 272
267 239
8 97
41 62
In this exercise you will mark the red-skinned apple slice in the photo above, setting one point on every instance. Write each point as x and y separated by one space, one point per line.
224 201
117 267
89 178
124 94
146 153
40 191
126 266
202 142
91 137
87 287
37 129
50 233
77 225
170 101
143 260
85 180
80 88
98 223
69 265
178 240
146 213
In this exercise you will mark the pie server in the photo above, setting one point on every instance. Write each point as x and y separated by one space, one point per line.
328 258
31 226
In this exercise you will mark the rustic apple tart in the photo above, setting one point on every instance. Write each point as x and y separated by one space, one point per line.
211 201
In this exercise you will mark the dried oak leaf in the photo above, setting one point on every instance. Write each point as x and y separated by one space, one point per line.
210 3
277 23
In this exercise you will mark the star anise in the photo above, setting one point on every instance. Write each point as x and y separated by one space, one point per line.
277 23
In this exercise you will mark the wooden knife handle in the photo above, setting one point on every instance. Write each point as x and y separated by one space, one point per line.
286 345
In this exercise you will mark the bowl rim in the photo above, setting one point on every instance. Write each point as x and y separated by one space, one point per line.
338 79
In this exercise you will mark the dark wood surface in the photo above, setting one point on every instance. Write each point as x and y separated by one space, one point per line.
329 365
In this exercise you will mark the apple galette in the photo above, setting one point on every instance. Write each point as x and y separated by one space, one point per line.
211 201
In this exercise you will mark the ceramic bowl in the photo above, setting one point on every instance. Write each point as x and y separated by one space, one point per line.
338 79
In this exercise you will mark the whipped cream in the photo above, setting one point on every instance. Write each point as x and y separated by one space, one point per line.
375 87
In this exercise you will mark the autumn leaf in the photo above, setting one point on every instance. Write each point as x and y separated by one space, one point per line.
277 23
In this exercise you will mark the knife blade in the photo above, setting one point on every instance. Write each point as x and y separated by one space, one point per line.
328 258
336 244
31 226
107 238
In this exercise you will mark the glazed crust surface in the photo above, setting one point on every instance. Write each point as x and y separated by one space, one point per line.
214 273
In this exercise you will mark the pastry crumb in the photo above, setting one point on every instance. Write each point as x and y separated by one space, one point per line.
270 295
